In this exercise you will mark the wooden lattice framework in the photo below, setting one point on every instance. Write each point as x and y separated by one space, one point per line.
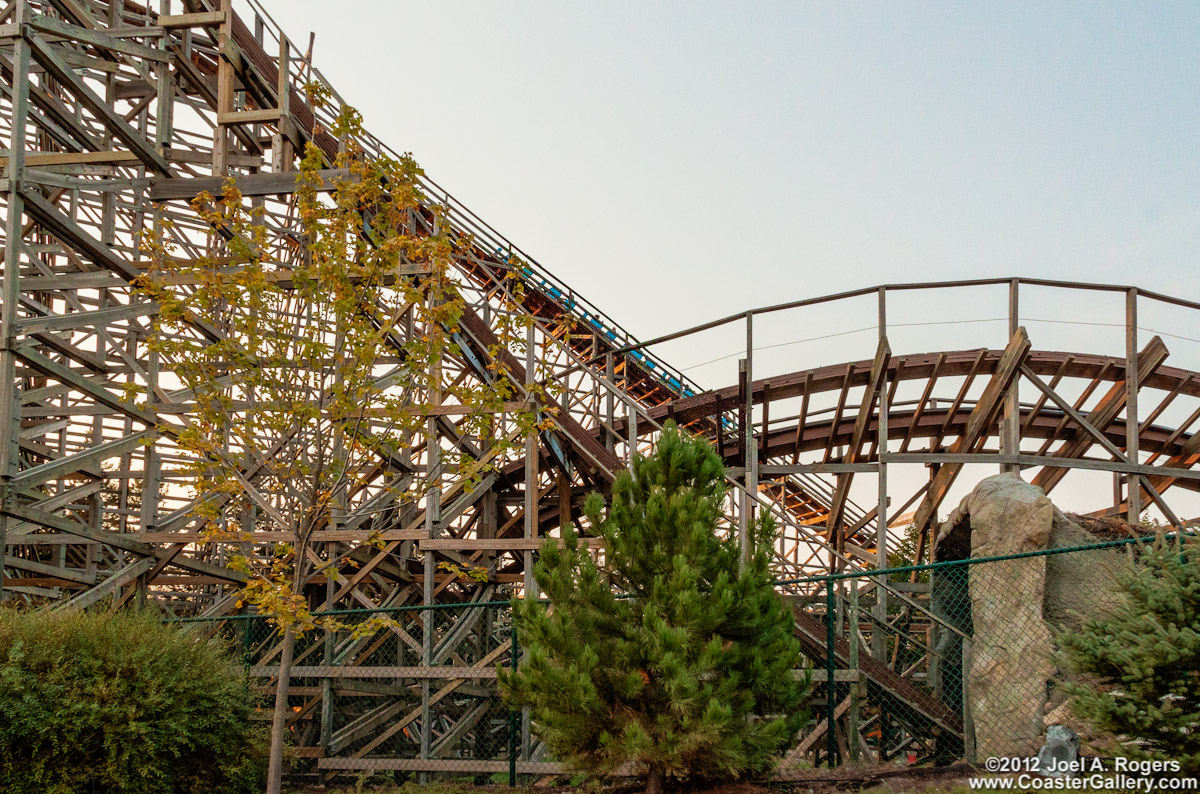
117 115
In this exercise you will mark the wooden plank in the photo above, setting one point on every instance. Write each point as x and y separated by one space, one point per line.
55 571
200 19
462 767
120 541
71 378
395 727
74 462
1028 461
257 116
796 754
74 320
35 159
497 544
96 38
323 536
364 671
176 188
810 630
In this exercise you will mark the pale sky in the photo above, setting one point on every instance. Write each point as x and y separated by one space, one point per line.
735 154
679 161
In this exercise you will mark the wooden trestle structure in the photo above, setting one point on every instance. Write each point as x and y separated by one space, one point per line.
117 114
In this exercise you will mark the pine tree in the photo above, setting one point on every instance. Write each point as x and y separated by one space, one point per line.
668 655
1140 665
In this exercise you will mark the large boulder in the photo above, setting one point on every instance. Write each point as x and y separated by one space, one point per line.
1015 605
1009 661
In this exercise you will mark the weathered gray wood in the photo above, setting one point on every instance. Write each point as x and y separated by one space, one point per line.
109 587
170 189
96 104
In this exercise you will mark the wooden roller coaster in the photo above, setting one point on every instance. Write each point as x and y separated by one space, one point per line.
117 113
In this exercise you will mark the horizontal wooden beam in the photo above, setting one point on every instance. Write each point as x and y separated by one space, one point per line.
497 544
54 571
201 19
364 671
35 159
442 765
327 536
256 116
177 188
74 320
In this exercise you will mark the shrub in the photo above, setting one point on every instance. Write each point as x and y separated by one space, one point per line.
120 703
1139 665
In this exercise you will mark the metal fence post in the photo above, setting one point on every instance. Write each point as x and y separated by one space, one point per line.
967 716
513 720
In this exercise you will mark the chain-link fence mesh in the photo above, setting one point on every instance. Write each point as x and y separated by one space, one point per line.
929 664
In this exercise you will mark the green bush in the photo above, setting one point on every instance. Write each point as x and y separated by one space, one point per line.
120 703
1139 665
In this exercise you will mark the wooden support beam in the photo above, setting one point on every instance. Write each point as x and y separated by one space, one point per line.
65 75
1105 412
36 159
498 544
1102 439
196 20
982 416
109 587
883 354
99 39
56 571
174 188
69 464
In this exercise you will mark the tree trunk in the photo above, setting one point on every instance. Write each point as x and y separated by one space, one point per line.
279 719
654 780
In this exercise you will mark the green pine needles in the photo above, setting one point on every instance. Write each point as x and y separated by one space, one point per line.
1140 665
666 658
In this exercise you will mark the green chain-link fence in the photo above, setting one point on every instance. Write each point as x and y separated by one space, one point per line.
952 661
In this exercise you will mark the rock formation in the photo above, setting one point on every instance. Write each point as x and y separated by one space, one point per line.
1016 604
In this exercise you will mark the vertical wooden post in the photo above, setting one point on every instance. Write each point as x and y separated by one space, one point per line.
852 625
531 473
1010 425
532 448
631 431
10 285
1133 486
609 402
564 500
878 636
433 509
751 447
831 748
281 141
164 111
225 91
